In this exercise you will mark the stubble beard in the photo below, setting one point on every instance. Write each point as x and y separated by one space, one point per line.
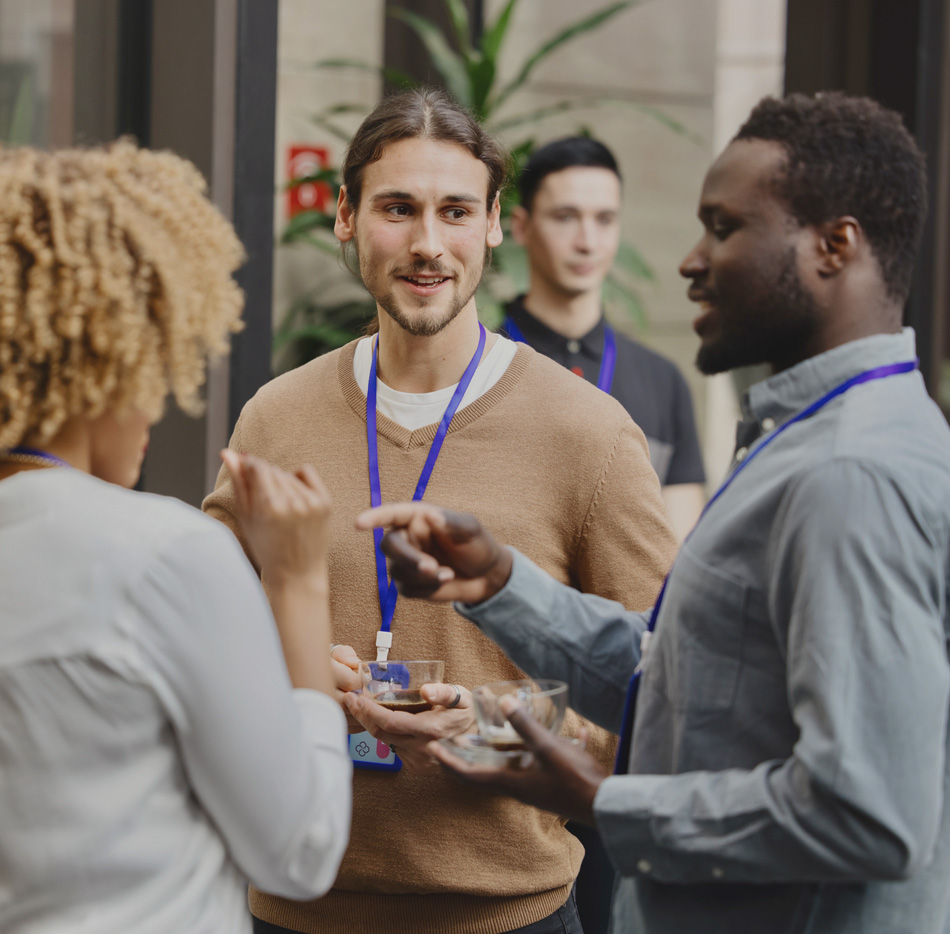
776 331
425 325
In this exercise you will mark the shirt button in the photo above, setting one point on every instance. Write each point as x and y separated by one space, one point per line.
717 872
741 453
768 424
644 866
574 346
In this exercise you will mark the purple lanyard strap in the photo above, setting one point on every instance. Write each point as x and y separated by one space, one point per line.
608 359
43 455
881 372
387 589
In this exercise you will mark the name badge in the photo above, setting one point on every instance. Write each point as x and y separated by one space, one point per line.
367 752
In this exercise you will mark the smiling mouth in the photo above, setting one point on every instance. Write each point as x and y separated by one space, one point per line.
707 311
425 284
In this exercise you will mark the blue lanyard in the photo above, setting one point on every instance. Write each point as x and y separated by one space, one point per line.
387 589
608 359
881 372
42 455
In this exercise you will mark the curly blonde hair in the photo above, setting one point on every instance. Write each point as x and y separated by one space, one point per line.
115 285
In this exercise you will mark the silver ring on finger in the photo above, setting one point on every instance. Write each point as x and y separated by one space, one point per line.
456 699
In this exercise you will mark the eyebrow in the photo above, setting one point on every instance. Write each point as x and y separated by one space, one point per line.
396 195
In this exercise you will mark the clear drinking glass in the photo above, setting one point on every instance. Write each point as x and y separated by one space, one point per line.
395 685
545 700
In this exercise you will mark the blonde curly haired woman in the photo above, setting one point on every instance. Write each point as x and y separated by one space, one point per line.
153 755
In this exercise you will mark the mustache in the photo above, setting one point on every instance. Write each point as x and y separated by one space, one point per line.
701 295
424 268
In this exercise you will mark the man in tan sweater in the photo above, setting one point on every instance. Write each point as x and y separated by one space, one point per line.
557 467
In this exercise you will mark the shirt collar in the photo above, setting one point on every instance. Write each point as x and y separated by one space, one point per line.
782 395
544 340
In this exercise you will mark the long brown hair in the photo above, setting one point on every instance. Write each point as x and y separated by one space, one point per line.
428 113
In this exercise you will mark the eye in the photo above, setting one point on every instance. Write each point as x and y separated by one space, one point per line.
721 229
606 220
399 210
456 214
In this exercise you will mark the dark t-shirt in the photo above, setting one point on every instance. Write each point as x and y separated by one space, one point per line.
647 385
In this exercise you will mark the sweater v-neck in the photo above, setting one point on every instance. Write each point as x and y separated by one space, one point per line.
402 437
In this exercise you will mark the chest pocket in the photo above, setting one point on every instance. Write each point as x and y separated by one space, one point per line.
700 637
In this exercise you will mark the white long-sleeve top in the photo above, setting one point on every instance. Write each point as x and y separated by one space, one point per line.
153 754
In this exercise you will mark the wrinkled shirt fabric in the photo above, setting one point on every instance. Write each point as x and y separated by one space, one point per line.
788 766
153 755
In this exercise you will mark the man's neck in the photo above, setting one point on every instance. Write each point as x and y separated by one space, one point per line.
571 316
409 363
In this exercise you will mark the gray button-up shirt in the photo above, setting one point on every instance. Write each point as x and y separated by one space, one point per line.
788 763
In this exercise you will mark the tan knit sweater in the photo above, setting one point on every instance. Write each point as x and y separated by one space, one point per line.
552 466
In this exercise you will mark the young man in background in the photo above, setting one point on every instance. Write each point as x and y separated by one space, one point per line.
569 225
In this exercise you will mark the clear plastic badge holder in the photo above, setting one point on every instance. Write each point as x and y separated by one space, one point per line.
366 751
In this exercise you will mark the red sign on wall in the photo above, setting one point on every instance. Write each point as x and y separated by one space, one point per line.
304 159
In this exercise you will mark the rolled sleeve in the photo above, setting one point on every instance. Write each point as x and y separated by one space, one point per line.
268 764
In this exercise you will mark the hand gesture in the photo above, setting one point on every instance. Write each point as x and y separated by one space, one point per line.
562 778
284 516
439 554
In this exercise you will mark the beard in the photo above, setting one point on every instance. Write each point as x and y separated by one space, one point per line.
424 325
775 326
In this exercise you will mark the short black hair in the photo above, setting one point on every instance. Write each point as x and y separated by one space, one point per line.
567 153
850 156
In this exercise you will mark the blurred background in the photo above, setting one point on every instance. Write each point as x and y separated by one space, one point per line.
262 95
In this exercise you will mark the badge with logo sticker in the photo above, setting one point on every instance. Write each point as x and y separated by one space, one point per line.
367 752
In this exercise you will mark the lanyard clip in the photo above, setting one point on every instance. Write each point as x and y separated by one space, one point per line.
384 641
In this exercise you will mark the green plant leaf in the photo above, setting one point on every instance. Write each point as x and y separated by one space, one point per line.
494 35
548 110
481 75
458 13
449 64
669 122
332 128
338 109
587 24
328 176
561 106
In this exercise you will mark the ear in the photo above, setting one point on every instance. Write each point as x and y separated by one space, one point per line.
839 243
345 225
495 236
520 219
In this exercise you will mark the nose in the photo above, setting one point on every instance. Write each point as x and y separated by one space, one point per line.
426 240
694 263
584 235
